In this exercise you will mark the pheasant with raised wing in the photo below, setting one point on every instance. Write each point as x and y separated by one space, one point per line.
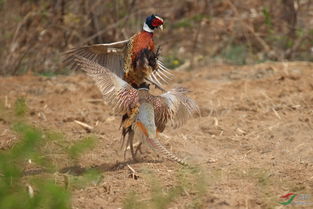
135 60
145 115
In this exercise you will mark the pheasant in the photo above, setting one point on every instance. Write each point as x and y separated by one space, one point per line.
135 60
146 114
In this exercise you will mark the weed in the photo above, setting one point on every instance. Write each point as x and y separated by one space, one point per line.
235 54
173 62
161 199
81 146
20 107
268 18
188 180
13 193
40 191
89 177
131 202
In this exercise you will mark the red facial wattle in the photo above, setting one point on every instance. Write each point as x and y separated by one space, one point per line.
156 22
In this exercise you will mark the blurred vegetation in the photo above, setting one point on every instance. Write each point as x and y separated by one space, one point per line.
35 33
32 176
190 181
35 153
79 147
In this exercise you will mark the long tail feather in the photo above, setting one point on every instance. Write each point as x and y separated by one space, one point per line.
155 144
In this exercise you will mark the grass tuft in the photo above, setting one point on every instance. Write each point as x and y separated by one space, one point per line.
81 146
21 190
131 202
20 107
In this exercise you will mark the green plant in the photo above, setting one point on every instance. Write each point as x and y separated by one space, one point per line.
173 62
188 180
131 202
268 18
82 145
13 193
161 199
235 54
20 107
18 190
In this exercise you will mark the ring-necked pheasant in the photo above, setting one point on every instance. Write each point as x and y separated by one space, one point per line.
135 60
146 114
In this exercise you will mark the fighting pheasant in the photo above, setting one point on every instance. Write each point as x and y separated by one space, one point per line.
135 60
145 115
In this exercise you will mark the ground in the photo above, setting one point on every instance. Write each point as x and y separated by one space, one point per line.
252 143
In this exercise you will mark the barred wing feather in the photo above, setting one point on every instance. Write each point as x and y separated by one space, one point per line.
110 56
115 91
161 73
176 108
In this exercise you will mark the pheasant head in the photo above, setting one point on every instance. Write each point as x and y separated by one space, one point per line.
152 22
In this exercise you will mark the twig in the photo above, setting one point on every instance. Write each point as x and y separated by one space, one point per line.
110 27
251 30
95 25
66 181
30 190
131 169
85 125
42 116
297 45
195 43
133 173
215 121
6 102
4 132
276 113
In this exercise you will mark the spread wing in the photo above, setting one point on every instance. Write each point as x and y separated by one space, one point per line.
161 73
116 91
111 56
174 106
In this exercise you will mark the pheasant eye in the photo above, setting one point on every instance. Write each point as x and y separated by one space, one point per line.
156 22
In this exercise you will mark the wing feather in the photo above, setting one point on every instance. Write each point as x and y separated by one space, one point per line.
116 91
162 73
174 106
110 56
145 131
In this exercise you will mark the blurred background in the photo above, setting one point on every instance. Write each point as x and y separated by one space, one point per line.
59 143
35 33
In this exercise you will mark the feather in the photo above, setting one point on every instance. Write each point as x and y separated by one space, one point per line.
110 56
115 91
176 107
145 130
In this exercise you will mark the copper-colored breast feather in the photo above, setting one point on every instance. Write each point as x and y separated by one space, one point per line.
140 41
118 57
155 73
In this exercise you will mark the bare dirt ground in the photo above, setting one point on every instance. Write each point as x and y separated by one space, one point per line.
252 143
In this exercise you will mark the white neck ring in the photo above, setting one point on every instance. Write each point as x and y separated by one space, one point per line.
147 28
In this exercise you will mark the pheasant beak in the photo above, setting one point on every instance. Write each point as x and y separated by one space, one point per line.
161 27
